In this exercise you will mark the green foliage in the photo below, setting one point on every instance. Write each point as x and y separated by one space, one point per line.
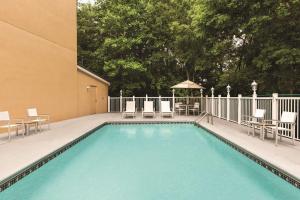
146 46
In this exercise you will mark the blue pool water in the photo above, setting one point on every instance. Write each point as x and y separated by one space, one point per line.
151 162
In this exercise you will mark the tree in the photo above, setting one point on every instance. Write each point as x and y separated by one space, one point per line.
146 46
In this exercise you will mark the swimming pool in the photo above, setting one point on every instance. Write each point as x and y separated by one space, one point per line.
151 161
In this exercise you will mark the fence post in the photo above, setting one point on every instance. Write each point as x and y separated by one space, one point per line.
206 103
108 104
121 100
275 107
173 100
201 96
239 109
254 96
219 106
228 103
212 101
146 97
159 103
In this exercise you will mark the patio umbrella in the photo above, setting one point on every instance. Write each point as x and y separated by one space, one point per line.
187 85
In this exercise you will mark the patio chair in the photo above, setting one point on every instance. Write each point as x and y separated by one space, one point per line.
148 110
40 119
287 123
254 121
195 108
178 108
165 109
130 109
9 124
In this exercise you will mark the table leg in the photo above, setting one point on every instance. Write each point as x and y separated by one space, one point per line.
26 129
36 127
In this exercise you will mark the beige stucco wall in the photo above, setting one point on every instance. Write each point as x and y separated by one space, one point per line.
92 95
38 59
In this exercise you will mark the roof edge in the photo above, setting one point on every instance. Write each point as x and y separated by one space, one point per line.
92 75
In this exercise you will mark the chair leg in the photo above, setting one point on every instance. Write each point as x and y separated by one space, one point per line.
293 136
249 128
8 132
24 132
17 130
276 137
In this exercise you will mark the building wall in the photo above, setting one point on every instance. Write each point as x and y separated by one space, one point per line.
38 54
92 95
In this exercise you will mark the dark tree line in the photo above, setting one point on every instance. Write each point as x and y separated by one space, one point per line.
145 46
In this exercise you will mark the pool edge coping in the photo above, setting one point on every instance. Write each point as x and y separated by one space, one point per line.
274 169
21 173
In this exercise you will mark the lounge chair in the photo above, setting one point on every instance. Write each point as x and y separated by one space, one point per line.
165 109
195 108
178 108
254 121
7 123
40 119
130 109
287 123
148 110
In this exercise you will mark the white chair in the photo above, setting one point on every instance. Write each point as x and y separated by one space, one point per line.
148 109
254 121
130 109
178 108
40 119
287 123
195 108
7 123
165 109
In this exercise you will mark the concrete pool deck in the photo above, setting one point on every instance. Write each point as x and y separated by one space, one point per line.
22 151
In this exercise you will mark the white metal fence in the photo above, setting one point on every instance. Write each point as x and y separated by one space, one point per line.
227 108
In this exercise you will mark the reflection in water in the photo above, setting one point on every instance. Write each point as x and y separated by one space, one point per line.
165 132
129 131
148 132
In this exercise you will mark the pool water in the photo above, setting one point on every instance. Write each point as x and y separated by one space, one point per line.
151 162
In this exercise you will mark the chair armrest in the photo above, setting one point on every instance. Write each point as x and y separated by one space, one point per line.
44 116
248 117
285 123
16 121
270 120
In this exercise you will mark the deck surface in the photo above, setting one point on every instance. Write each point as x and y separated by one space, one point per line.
22 151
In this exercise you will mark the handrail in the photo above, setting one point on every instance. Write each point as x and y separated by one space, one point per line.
204 114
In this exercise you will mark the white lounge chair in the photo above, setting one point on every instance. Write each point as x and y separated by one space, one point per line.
7 123
165 109
130 109
148 109
254 121
287 123
195 108
40 119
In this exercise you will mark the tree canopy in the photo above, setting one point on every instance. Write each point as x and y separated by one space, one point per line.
146 46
